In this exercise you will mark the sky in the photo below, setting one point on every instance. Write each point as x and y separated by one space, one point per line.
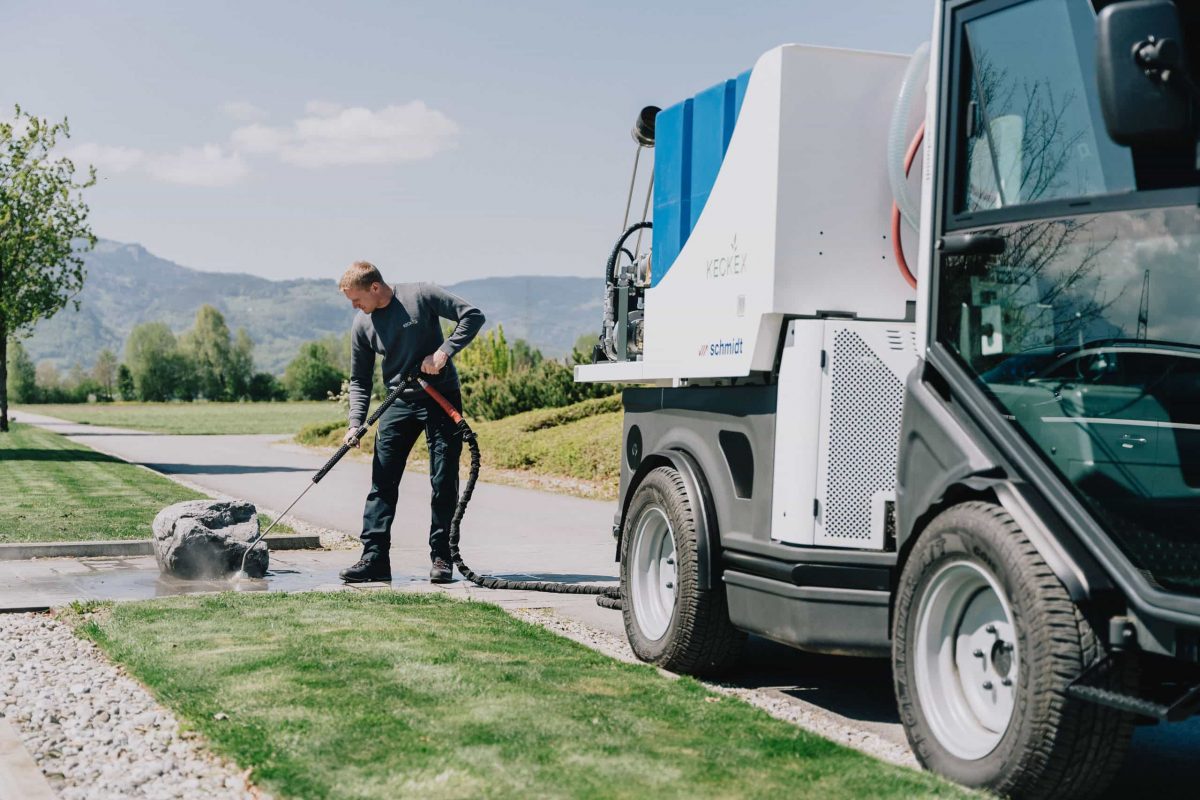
442 141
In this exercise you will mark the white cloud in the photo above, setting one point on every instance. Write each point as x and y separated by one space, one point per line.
334 136
321 108
209 165
107 159
243 111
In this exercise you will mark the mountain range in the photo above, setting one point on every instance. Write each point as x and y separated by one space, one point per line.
127 285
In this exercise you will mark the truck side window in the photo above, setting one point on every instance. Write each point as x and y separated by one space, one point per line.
1032 130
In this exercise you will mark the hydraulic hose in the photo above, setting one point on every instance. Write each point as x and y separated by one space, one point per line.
914 74
897 244
609 596
610 273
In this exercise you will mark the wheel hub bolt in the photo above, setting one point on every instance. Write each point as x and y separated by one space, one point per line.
987 685
671 561
670 585
1006 682
990 629
978 654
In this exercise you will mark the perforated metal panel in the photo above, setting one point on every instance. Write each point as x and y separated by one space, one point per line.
861 407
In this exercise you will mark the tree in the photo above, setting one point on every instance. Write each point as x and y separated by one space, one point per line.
207 347
104 372
125 386
43 230
22 375
311 375
264 386
159 370
240 369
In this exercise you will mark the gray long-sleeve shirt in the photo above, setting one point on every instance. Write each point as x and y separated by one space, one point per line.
404 332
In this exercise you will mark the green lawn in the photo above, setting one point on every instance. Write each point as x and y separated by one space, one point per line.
581 441
384 695
195 418
53 490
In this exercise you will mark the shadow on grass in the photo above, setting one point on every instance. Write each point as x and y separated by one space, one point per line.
221 469
30 454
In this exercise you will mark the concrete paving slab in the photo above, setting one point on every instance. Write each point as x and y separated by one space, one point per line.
20 778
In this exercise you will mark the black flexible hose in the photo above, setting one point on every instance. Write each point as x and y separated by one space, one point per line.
610 596
610 269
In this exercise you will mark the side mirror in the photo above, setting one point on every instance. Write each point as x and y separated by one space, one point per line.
1145 88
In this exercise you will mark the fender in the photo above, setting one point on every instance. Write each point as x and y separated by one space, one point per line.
707 535
941 464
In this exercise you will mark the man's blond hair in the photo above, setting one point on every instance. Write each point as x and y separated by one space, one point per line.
360 275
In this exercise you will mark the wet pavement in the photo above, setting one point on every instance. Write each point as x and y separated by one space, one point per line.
53 582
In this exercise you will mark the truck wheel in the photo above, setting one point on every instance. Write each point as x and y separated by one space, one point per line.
985 642
669 620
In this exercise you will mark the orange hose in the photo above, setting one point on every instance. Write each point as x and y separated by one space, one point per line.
450 410
897 245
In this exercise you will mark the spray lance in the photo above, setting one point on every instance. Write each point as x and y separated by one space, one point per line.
607 596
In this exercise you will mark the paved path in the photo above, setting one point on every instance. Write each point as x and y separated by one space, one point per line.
507 531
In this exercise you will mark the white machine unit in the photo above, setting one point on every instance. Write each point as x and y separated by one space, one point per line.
841 391
796 224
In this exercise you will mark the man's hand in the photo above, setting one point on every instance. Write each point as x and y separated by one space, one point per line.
351 439
434 362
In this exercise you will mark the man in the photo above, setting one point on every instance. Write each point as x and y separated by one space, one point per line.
402 324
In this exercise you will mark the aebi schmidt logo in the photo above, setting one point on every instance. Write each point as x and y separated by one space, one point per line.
724 266
732 347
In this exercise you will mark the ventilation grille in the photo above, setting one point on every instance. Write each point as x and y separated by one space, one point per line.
864 436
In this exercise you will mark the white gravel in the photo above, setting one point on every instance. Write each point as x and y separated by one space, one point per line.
807 716
95 732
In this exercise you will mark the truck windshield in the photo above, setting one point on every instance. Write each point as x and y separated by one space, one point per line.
1085 333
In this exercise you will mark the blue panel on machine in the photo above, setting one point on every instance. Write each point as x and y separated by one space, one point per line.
690 143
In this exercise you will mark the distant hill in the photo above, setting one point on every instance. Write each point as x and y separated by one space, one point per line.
127 285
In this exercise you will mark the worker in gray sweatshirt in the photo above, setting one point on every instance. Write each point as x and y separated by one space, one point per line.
402 323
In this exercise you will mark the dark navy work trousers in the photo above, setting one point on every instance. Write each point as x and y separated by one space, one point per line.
399 428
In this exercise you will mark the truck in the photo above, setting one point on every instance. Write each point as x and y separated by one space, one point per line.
985 467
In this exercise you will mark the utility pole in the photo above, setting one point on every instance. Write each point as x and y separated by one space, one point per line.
1144 308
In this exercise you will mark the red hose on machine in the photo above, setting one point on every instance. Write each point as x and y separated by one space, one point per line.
897 245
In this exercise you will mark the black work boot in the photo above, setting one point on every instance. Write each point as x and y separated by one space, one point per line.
441 571
371 567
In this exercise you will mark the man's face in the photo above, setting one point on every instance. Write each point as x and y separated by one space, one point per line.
366 300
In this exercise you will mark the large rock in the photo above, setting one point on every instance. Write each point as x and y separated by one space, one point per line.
207 538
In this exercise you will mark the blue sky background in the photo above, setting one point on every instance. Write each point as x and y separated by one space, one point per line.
489 138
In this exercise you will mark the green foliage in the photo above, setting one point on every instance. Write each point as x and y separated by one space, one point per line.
22 375
313 374
239 370
264 386
160 371
125 385
207 347
43 230
104 373
500 379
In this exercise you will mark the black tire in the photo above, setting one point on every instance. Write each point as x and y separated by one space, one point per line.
699 640
1054 746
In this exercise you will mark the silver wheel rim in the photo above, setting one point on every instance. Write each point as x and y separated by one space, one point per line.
653 578
967 664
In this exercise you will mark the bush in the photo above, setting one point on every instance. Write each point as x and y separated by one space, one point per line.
312 374
264 386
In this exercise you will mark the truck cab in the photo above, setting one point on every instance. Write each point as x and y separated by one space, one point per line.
986 467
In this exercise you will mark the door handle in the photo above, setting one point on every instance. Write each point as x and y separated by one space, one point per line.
971 244
1129 441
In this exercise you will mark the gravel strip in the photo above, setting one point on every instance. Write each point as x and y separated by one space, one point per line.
807 716
95 732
